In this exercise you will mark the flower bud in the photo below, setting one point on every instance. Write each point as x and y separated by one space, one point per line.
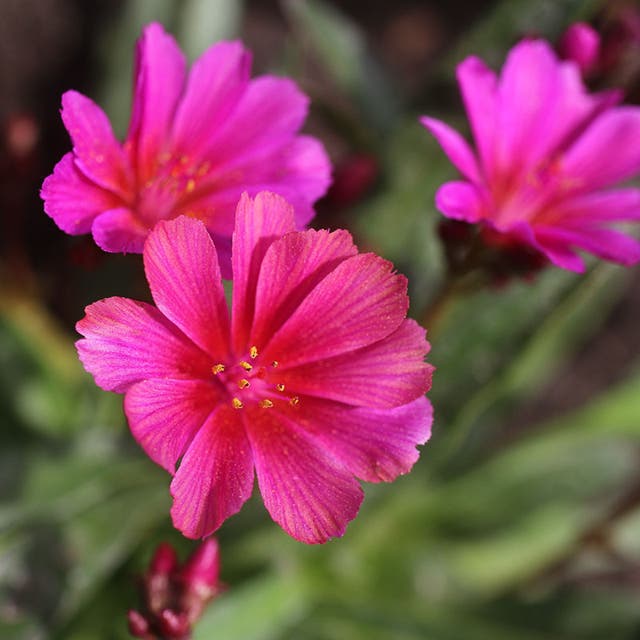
581 43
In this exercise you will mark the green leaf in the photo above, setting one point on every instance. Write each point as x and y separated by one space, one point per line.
260 610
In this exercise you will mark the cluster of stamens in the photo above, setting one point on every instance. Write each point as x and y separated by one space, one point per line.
252 373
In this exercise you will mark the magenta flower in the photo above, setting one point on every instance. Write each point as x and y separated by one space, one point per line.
317 377
548 154
195 143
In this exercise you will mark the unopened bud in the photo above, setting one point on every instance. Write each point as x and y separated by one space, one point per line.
581 43
200 572
138 625
172 625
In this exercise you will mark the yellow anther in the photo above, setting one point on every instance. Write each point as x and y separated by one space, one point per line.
280 386
253 352
217 368
266 403
243 383
294 401
245 365
275 363
237 403
191 185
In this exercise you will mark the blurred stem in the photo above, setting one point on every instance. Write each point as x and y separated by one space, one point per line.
463 276
596 536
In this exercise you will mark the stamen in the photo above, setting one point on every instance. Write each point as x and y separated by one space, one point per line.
294 401
280 387
243 383
237 403
245 365
266 403
275 363
253 352
191 185
217 368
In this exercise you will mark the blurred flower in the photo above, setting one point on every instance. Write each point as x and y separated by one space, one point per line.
316 378
175 595
195 143
547 154
581 43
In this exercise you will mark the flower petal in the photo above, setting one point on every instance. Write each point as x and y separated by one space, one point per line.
300 173
360 302
215 477
181 265
376 445
387 374
590 160
119 231
126 341
269 114
601 206
308 494
258 223
159 80
604 243
164 415
455 146
559 253
72 200
216 83
478 85
526 95
97 153
460 201
292 267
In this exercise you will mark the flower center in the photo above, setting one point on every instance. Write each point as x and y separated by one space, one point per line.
174 182
250 381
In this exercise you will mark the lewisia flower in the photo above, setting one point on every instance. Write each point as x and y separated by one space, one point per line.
315 378
547 156
195 143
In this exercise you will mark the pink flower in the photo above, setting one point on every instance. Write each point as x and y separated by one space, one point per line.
547 156
317 377
581 43
195 143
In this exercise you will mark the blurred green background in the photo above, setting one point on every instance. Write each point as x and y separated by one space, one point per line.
520 521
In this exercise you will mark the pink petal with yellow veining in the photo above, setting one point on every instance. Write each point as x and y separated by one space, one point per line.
291 268
258 223
376 445
165 414
308 493
215 477
360 302
126 341
181 265
386 374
